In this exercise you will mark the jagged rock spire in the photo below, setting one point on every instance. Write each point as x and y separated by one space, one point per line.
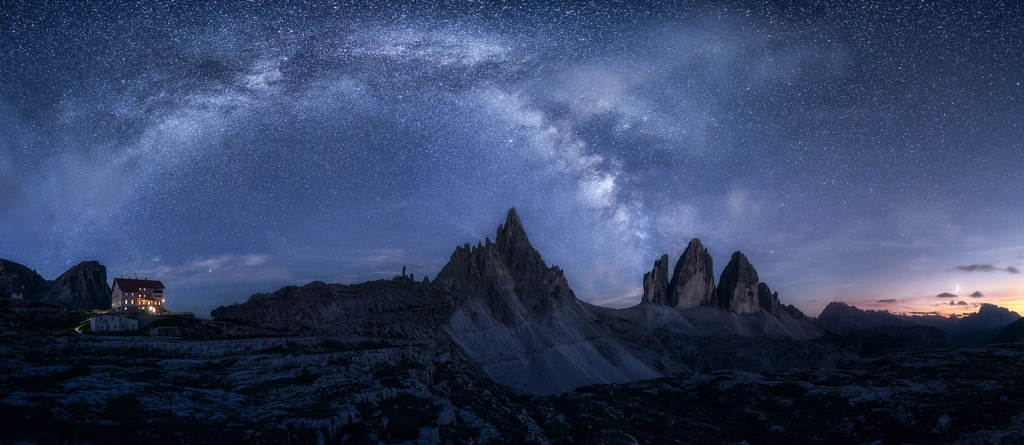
509 274
693 280
514 245
767 300
738 287
656 283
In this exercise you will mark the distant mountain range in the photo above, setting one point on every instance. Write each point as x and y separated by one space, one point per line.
974 329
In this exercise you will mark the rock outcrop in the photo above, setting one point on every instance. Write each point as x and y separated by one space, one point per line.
519 321
84 286
738 287
15 277
509 274
793 311
656 284
767 300
693 280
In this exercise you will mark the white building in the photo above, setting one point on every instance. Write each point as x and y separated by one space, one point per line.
133 294
113 323
18 294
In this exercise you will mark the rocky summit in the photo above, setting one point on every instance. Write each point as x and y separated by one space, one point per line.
656 284
83 286
737 288
767 300
520 322
693 280
508 275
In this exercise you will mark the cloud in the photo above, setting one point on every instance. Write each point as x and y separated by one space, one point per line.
975 268
439 48
219 269
887 300
961 303
984 268
946 295
977 294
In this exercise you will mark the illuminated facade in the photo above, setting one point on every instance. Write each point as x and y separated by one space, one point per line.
130 294
112 323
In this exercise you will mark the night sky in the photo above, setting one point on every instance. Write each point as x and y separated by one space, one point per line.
871 153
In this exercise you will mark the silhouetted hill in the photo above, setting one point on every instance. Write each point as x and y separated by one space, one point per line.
83 286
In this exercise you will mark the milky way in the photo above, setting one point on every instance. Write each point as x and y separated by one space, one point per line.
869 153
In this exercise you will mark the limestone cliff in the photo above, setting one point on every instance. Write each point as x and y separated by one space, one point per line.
83 286
656 284
738 287
693 280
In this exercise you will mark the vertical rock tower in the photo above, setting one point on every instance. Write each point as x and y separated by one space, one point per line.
738 287
656 284
693 281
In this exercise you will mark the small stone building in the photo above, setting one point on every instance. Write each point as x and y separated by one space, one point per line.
113 323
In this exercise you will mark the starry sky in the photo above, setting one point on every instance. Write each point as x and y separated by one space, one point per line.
870 153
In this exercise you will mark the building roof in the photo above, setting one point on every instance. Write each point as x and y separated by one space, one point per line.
133 285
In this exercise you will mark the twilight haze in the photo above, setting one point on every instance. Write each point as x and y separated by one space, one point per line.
872 154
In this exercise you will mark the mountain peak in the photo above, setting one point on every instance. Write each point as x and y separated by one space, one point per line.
693 280
83 286
509 275
511 236
737 287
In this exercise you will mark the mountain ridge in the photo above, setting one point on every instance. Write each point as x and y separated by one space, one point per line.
83 286
499 305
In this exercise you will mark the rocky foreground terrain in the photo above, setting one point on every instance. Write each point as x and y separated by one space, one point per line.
497 349
61 386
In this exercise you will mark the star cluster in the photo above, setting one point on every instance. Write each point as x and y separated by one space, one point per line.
870 153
